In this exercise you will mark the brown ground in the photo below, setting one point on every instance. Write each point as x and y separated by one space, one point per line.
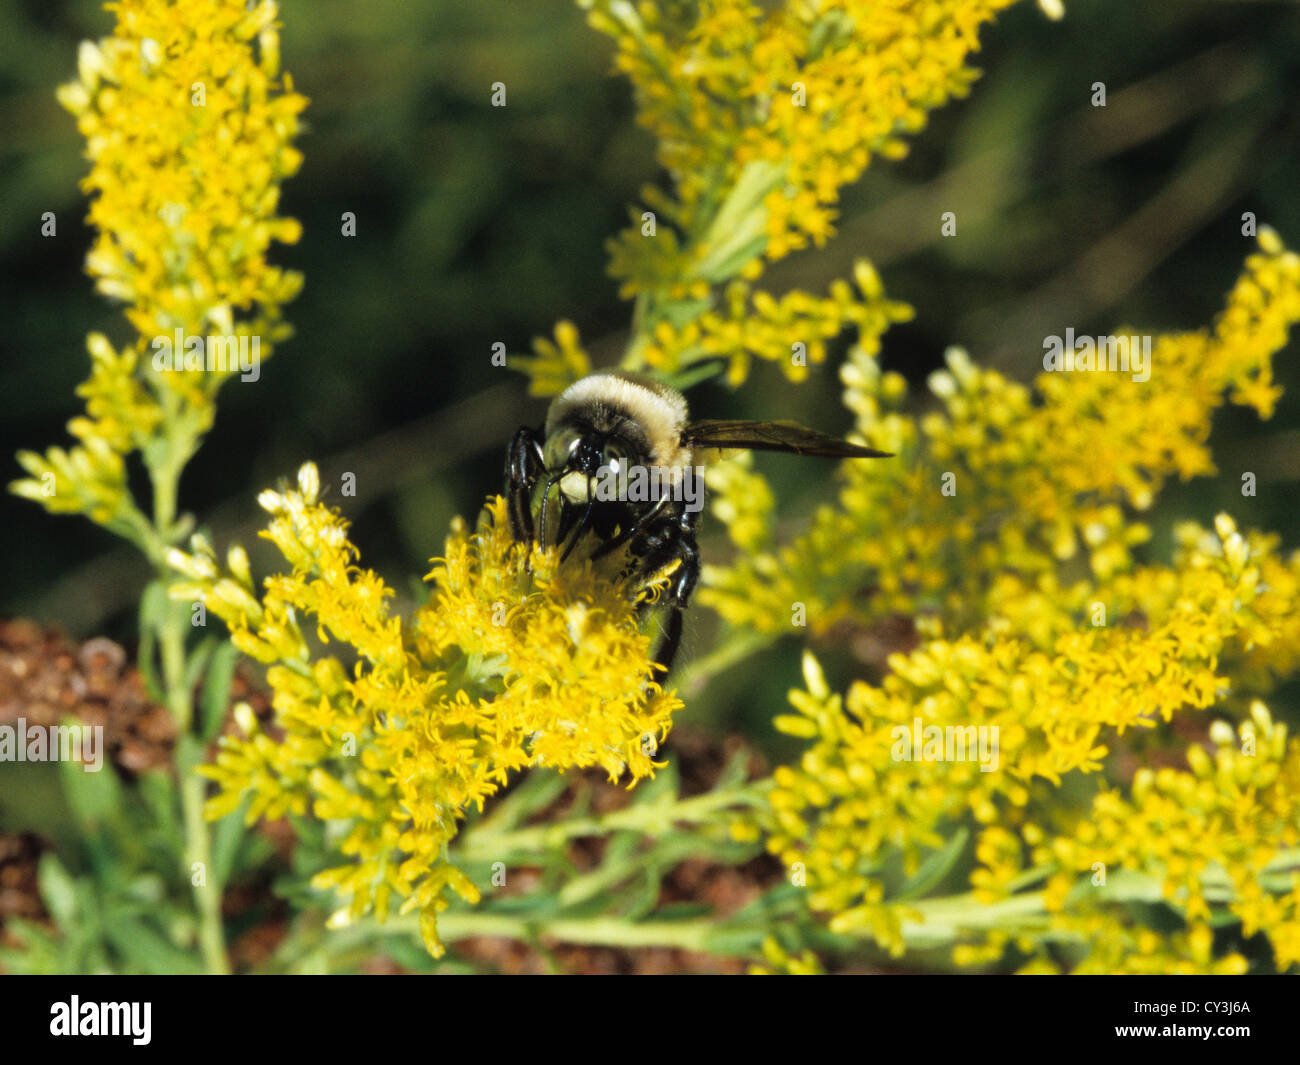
44 677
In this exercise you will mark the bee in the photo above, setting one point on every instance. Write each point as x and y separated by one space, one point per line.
616 453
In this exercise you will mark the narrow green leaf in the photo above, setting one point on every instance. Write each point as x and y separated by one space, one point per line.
535 792
153 613
158 793
58 890
144 947
696 373
226 837
216 689
935 867
94 795
197 661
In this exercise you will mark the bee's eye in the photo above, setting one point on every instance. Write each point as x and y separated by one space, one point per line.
614 457
559 446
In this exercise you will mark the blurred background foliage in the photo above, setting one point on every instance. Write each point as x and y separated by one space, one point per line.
478 224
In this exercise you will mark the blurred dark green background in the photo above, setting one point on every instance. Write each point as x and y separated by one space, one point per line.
478 224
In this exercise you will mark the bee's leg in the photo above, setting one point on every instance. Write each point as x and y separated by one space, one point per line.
665 543
688 573
546 495
524 464
667 650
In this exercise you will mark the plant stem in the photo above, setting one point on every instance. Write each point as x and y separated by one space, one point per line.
651 818
171 643
198 840
594 931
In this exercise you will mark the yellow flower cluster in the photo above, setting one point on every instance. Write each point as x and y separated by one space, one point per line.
1223 835
791 331
1117 945
781 962
990 502
1004 530
858 795
761 113
513 662
188 125
784 104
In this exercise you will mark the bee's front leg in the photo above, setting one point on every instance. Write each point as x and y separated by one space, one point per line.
524 465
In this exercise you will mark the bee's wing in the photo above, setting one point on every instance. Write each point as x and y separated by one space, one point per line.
773 436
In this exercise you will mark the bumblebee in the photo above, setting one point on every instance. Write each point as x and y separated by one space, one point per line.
616 454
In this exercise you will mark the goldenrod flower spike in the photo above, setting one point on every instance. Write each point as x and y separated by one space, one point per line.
188 125
513 663
1057 662
762 113
1000 488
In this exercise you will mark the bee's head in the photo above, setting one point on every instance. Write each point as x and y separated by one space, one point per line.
616 420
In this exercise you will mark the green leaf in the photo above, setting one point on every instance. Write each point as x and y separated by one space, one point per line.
189 754
696 373
683 312
216 689
935 867
732 257
144 947
95 797
227 834
158 793
739 232
153 614
735 772
197 662
37 953
661 788
58 890
643 898
534 793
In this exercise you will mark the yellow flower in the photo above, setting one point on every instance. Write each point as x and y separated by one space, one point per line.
1021 714
990 500
1221 831
192 90
791 332
781 962
188 126
783 104
1009 540
556 365
515 662
762 113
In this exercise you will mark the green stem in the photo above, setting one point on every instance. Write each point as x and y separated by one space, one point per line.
483 842
690 934
171 643
198 839
593 931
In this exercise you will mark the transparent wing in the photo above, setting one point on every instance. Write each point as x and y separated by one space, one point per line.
774 436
